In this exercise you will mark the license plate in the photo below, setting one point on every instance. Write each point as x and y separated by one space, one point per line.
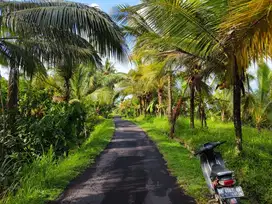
233 192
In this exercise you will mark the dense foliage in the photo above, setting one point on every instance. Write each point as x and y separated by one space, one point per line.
45 178
52 51
40 125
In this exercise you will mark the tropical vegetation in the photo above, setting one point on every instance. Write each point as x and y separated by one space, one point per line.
199 65
54 52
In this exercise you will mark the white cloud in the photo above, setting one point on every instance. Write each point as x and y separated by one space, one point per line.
95 5
4 72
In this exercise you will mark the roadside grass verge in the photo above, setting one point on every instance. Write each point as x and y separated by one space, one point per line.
253 168
47 177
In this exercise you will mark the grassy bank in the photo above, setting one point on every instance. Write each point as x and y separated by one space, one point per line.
46 178
252 168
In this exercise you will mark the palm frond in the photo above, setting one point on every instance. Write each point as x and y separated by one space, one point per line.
39 17
249 26
183 19
21 57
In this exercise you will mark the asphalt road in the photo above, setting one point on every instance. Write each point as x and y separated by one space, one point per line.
129 171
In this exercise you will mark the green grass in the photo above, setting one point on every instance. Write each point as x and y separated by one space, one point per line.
253 168
46 178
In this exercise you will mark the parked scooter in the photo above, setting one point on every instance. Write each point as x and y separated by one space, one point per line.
220 180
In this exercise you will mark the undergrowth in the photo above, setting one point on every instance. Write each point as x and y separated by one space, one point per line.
47 177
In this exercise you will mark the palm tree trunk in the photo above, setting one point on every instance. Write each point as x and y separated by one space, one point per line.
200 112
141 105
2 105
13 89
160 101
12 99
258 126
237 107
67 89
204 118
176 114
192 106
223 115
1 97
169 108
144 104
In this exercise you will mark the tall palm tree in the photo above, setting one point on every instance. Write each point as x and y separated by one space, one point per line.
155 76
55 28
80 82
150 36
108 67
203 29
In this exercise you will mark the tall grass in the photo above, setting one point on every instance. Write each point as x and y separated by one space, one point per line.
253 168
47 177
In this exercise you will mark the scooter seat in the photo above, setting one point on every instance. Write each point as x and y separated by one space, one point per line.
218 170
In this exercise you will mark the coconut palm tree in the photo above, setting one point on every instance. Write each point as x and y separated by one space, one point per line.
200 28
156 78
38 24
151 42
108 67
80 82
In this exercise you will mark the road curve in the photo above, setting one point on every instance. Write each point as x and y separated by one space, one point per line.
129 171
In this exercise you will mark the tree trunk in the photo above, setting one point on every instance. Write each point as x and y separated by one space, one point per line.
142 102
169 108
176 114
145 104
258 126
12 99
2 105
13 89
237 107
169 89
141 106
1 97
160 101
67 89
200 113
203 116
223 115
192 106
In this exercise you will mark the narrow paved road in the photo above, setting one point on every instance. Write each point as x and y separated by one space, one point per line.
129 171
